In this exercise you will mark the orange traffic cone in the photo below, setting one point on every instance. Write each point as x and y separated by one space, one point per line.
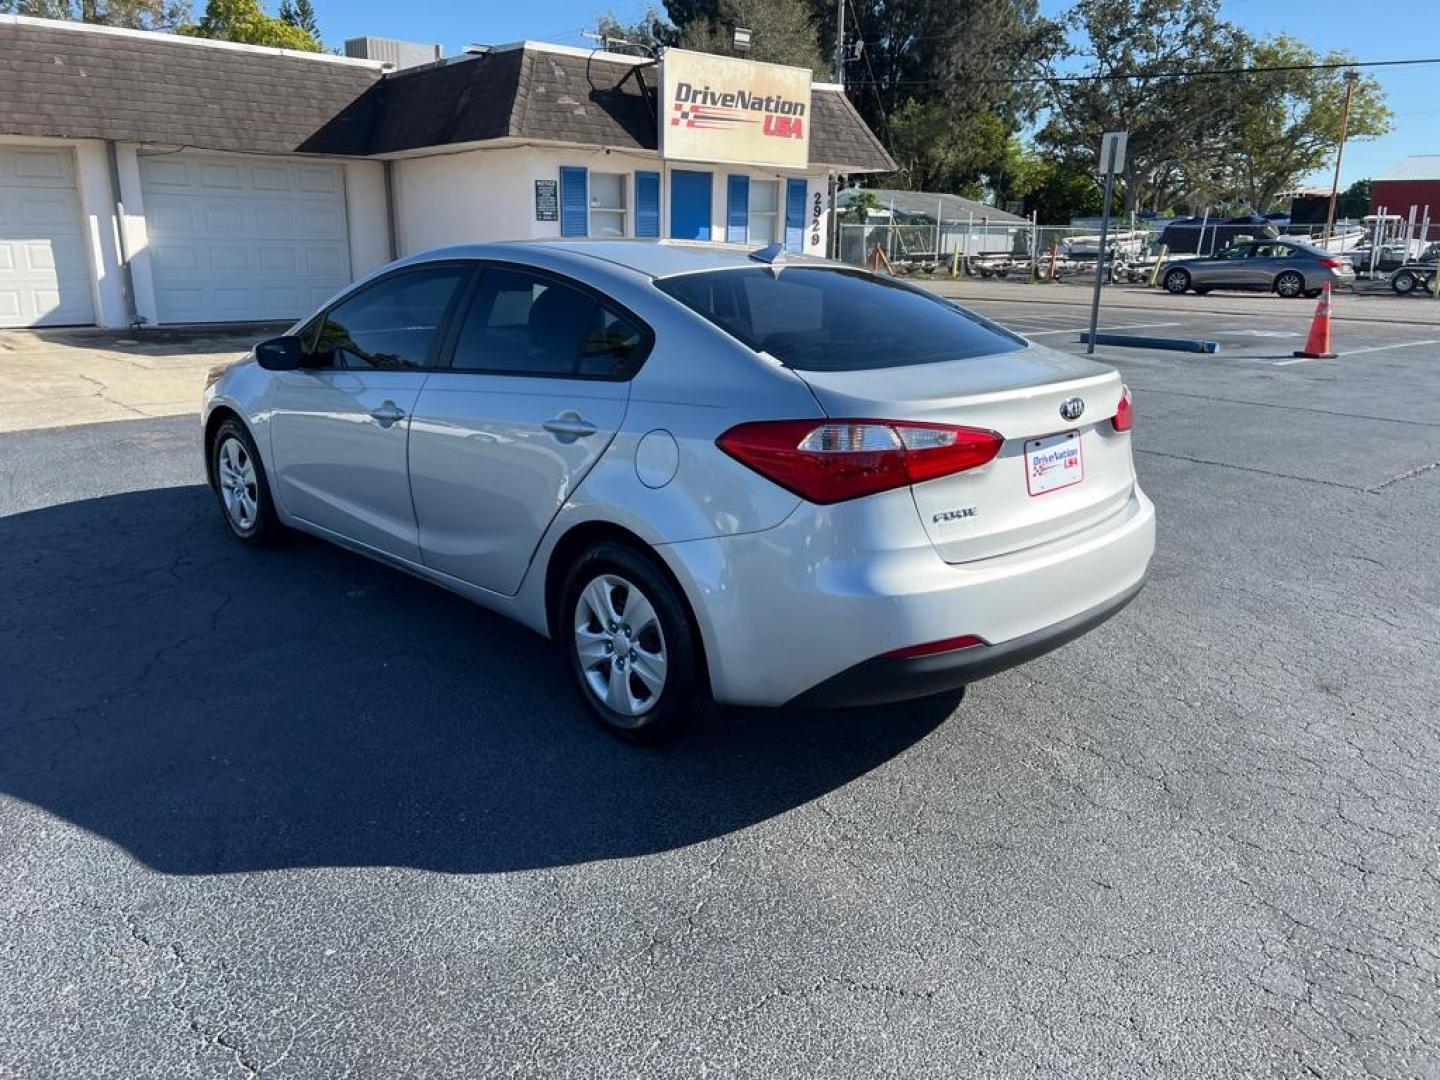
1317 345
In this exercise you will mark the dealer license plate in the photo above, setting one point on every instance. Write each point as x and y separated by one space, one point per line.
1053 462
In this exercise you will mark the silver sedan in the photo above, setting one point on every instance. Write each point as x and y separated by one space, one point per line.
701 471
1279 266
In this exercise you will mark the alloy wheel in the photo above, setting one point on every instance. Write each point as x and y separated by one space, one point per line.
620 645
239 488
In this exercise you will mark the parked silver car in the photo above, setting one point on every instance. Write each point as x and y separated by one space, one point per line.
699 470
1281 266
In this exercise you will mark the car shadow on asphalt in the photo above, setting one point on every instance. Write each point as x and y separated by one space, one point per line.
211 708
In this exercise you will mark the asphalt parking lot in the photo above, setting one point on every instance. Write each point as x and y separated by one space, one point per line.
291 814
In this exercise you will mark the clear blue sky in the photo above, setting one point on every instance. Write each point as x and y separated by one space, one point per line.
1369 32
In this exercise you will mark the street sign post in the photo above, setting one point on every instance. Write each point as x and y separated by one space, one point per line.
1112 160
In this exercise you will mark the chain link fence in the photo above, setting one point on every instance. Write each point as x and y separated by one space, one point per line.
988 249
980 248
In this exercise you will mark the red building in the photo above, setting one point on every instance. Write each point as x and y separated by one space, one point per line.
1413 182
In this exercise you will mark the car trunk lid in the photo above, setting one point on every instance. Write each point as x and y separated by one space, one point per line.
1053 476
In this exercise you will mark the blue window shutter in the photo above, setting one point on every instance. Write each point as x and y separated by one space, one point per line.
737 216
690 194
795 215
647 204
574 201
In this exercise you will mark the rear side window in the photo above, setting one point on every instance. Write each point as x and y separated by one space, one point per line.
525 324
816 319
394 323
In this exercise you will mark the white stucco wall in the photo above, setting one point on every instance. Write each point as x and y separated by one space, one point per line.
470 196
368 216
476 196
97 205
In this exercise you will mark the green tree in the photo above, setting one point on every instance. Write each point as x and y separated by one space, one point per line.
245 21
301 15
1062 190
1354 201
1177 126
858 211
1018 172
935 153
941 81
1287 123
781 32
131 14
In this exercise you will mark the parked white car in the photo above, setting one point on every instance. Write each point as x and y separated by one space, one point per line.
699 470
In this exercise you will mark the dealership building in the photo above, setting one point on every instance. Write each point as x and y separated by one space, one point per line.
154 179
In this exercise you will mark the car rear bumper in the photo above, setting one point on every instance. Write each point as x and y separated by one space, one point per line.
785 611
884 680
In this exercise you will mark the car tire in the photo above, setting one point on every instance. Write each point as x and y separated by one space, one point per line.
1177 281
641 682
241 486
1403 283
1290 285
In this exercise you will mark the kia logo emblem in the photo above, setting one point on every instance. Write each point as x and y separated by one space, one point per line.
1071 408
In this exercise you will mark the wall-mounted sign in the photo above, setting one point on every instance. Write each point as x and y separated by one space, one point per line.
547 200
737 112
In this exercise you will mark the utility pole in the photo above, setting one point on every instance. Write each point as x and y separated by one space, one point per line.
840 42
1350 79
1112 159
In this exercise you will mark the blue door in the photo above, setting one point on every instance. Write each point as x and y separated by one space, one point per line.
689 205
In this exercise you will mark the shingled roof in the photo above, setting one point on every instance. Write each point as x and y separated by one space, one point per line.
92 83
163 89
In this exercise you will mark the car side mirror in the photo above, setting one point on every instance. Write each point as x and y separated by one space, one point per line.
280 354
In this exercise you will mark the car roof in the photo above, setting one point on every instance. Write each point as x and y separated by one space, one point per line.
652 258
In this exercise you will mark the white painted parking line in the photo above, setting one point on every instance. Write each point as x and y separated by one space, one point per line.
1357 352
1102 329
1382 348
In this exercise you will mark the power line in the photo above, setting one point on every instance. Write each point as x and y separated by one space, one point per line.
1116 76
874 83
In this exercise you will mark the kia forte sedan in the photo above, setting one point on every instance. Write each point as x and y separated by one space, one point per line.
701 471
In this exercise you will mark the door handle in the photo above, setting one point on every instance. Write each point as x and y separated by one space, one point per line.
569 426
387 414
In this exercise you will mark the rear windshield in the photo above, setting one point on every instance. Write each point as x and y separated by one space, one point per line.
834 319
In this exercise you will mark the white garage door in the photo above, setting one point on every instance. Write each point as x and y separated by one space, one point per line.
44 269
235 238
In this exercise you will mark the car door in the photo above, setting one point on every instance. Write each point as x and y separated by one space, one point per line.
536 389
1229 267
339 425
1265 261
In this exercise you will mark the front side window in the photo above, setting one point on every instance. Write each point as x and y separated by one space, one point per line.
817 319
524 324
393 324
608 205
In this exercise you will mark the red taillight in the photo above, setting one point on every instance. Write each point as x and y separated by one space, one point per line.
1124 413
934 648
1333 264
829 461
